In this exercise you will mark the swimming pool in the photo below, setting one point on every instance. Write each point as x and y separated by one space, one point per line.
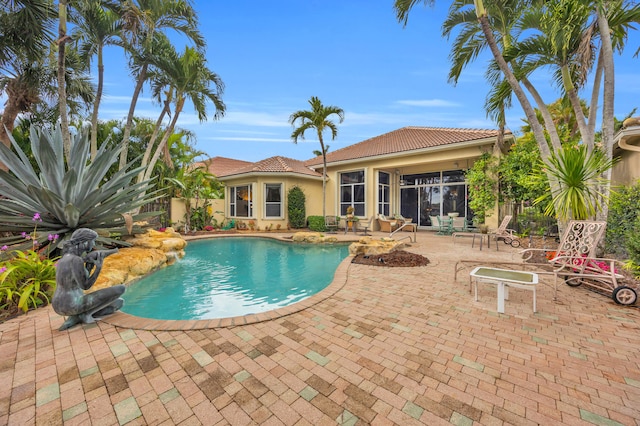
226 277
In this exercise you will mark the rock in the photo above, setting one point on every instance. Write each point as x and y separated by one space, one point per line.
151 251
313 237
367 246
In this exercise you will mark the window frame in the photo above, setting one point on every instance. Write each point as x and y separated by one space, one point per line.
271 203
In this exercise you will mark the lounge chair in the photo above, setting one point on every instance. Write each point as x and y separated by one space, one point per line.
331 224
506 235
387 225
575 262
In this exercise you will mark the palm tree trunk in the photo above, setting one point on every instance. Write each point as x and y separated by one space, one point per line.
608 121
324 176
62 87
165 139
96 106
132 109
570 89
152 141
595 94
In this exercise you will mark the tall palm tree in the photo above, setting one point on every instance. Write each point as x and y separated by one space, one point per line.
317 118
26 32
96 26
186 77
143 22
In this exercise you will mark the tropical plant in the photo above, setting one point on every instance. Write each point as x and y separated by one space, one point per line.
68 192
143 23
563 35
483 185
317 118
27 278
624 211
181 78
96 26
578 172
193 184
296 207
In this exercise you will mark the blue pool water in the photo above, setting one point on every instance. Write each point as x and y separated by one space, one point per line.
226 277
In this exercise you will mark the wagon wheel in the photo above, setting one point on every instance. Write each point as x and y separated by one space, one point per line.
624 295
572 282
515 243
507 240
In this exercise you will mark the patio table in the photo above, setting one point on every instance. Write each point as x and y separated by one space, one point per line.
504 278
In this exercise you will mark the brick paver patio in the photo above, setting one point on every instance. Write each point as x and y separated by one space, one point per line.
383 346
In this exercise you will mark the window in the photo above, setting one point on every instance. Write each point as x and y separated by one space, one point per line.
384 193
352 192
273 200
241 201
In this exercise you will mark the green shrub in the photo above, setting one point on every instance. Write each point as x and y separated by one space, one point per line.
27 281
622 224
296 207
316 223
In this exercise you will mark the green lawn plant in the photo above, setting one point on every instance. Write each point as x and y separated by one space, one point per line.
68 192
27 278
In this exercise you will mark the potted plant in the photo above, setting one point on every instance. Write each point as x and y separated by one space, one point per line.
351 217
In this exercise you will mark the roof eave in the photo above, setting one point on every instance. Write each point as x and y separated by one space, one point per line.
625 135
447 147
270 174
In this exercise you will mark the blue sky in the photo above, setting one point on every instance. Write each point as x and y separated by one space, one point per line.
273 56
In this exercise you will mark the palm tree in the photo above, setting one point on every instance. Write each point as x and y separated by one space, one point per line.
143 22
567 37
96 27
185 77
21 54
579 172
317 118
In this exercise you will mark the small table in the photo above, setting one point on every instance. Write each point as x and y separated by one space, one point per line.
504 278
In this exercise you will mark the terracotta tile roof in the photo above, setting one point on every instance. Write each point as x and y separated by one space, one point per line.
221 166
275 164
403 140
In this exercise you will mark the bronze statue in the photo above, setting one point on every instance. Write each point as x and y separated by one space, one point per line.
78 270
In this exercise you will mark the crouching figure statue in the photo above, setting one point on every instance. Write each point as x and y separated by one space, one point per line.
77 271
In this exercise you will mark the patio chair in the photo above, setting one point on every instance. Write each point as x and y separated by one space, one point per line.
575 262
445 225
365 225
387 225
331 224
505 234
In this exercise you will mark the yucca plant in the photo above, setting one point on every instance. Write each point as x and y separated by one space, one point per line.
67 193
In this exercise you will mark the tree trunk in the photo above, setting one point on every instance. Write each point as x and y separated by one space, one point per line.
62 86
572 94
152 141
132 109
96 106
607 104
595 95
165 139
324 176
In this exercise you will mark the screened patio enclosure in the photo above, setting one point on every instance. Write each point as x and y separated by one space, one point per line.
425 195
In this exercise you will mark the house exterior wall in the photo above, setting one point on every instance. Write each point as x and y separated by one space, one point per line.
449 159
312 189
627 170
178 211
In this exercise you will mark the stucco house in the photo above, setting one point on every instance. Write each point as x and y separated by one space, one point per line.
414 171
627 148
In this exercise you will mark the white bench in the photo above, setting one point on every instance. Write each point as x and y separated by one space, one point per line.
504 278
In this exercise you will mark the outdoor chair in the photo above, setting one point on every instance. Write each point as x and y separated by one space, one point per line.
365 225
445 225
505 234
331 224
575 262
387 225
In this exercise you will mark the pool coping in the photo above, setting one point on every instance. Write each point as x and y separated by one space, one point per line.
124 320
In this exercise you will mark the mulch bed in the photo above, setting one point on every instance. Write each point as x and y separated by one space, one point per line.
396 258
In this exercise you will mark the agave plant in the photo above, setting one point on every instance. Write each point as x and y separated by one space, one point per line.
67 193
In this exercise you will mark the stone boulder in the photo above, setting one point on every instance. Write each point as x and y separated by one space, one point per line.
313 237
150 251
367 246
